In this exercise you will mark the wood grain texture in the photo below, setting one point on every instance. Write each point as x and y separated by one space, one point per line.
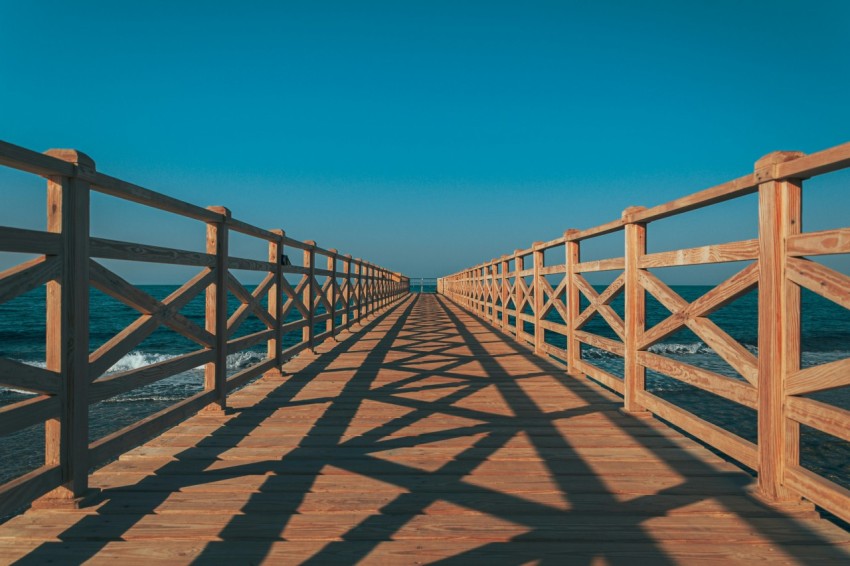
66 438
717 253
215 371
129 251
823 242
634 324
27 377
29 241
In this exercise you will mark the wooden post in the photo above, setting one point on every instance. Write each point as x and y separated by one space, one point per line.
376 271
367 289
373 289
482 291
503 290
346 297
308 332
479 290
634 375
494 290
485 295
275 343
475 287
539 335
331 323
215 372
67 437
358 295
779 316
573 296
519 265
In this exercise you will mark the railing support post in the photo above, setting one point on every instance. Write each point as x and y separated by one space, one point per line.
503 293
358 294
275 344
67 437
573 296
539 334
519 265
634 376
330 326
215 372
480 291
367 290
779 316
309 331
495 291
346 297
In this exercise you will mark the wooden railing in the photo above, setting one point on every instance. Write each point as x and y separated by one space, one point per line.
329 297
514 289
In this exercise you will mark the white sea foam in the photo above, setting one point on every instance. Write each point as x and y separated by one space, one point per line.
138 359
680 349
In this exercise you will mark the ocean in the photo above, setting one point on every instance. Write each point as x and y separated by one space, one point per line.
826 338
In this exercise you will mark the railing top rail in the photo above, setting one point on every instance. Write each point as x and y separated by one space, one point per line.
775 166
33 162
52 163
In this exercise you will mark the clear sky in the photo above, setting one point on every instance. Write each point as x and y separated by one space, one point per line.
424 136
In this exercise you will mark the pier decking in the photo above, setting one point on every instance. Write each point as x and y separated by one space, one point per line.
425 435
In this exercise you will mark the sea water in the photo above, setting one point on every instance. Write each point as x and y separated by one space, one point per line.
826 338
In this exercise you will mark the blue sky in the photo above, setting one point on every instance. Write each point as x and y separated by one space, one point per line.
424 136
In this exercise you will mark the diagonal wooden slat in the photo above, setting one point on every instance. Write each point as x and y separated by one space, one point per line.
343 297
728 291
667 327
294 298
112 284
330 289
27 377
27 276
611 292
664 294
553 300
723 294
732 352
321 295
600 302
121 344
525 295
820 279
250 302
729 349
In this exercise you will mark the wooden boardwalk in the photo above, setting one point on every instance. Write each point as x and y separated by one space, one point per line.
424 437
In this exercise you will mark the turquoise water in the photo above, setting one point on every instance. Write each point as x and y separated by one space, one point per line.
826 337
22 338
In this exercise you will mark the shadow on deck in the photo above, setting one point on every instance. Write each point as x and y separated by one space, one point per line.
426 437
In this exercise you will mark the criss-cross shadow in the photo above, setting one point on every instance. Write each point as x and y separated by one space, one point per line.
431 345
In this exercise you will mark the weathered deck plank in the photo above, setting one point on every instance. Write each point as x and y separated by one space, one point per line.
427 437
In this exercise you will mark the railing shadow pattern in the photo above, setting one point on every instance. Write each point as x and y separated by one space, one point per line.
413 470
768 378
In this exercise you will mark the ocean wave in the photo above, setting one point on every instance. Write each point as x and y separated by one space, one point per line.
242 360
139 359
680 349
130 398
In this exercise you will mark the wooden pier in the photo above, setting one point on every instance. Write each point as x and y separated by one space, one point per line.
425 436
388 427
